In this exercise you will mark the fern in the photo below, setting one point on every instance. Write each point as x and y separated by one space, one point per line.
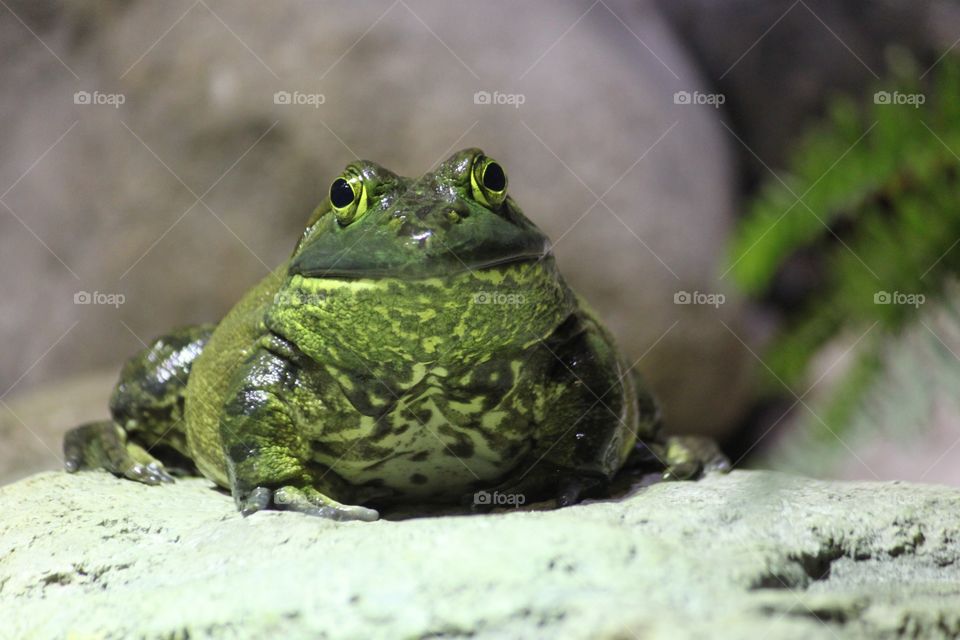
872 199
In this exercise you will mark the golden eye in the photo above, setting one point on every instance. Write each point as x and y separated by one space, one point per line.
488 182
348 198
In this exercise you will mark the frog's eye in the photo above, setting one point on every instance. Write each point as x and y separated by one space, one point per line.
488 182
348 198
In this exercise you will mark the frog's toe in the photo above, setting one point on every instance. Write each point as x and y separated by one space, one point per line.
347 512
308 501
687 470
688 457
72 457
314 503
150 473
91 446
257 500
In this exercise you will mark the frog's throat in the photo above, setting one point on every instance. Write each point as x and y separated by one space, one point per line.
466 317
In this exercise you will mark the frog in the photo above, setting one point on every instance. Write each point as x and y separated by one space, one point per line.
419 346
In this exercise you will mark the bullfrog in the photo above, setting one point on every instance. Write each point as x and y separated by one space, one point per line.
418 346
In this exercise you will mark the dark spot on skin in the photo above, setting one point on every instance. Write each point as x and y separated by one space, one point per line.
318 446
491 382
360 396
381 429
462 449
418 478
420 457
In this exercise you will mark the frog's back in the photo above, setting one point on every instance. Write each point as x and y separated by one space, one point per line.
232 341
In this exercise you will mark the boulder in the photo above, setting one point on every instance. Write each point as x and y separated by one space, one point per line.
257 107
744 555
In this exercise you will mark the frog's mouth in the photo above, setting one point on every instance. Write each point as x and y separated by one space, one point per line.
419 256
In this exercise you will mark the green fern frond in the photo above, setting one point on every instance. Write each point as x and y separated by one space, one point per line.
874 195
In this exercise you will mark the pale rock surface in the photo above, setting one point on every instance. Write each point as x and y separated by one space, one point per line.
746 555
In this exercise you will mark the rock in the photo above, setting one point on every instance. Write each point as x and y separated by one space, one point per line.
198 82
749 554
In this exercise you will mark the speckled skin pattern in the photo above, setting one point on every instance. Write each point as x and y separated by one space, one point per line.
419 345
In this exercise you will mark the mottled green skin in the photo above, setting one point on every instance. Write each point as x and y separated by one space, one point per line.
425 350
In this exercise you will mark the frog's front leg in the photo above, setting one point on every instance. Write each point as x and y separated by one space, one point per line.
588 416
264 444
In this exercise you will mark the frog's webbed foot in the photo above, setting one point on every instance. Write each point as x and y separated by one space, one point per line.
103 445
303 500
689 457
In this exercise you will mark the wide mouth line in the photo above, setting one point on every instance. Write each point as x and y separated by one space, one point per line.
499 262
355 274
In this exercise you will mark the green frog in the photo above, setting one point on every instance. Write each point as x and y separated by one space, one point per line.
419 345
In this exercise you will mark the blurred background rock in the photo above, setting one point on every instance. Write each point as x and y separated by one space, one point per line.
184 195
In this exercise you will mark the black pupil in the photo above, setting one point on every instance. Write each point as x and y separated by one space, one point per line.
341 195
494 178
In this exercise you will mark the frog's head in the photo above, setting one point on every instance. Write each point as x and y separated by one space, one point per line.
392 273
458 218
